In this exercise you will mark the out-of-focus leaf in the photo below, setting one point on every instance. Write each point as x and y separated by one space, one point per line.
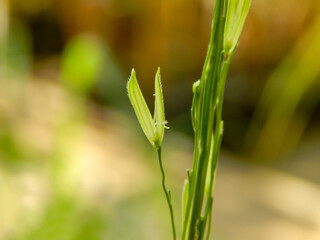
284 91
81 64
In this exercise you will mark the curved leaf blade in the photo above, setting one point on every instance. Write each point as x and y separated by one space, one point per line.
141 108
159 116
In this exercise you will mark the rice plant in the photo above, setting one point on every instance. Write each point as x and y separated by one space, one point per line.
206 113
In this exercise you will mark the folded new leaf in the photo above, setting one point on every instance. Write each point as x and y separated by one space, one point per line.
153 128
236 14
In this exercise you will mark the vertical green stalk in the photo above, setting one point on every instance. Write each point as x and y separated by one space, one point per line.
216 147
206 111
208 85
167 193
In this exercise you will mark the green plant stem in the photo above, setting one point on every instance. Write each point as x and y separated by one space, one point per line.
208 87
194 116
167 193
218 138
206 112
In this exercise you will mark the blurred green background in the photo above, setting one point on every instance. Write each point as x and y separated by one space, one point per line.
74 164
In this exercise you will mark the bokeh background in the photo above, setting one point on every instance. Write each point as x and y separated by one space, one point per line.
74 164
